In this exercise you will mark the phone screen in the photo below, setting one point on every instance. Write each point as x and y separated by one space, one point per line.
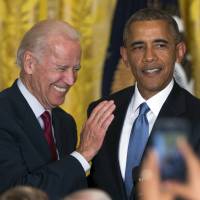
171 162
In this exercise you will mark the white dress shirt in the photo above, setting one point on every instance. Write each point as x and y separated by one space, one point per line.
38 110
155 103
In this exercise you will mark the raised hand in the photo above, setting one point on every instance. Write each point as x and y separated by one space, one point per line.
95 128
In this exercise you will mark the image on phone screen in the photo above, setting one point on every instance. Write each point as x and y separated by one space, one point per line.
171 162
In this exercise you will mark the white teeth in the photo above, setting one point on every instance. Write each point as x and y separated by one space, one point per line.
60 89
151 70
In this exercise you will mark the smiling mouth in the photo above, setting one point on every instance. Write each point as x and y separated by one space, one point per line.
60 89
152 70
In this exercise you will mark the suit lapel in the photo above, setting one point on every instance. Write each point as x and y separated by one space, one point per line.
122 103
29 124
174 106
60 143
64 131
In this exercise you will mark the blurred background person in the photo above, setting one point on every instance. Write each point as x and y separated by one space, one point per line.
88 194
24 193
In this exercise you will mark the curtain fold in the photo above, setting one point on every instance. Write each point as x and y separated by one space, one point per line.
93 19
16 17
190 11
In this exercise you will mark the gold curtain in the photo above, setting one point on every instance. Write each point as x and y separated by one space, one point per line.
16 17
91 17
190 11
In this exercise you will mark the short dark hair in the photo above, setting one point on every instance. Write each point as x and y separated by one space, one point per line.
148 14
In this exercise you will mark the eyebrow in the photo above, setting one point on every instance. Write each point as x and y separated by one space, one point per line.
136 43
61 66
161 41
66 66
142 42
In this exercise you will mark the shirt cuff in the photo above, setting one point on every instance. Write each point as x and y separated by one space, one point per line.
82 160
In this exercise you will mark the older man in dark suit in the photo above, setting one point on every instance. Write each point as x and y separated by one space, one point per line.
37 138
152 45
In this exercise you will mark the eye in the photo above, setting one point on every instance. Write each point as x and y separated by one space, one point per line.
60 68
137 48
64 68
77 68
161 45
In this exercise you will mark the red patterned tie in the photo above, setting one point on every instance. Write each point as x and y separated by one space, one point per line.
48 134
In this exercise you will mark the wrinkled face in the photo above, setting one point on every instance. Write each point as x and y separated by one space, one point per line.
50 77
151 53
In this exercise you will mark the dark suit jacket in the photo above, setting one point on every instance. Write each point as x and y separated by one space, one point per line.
105 171
24 154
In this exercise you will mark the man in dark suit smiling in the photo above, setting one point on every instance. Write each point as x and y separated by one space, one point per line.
152 45
37 138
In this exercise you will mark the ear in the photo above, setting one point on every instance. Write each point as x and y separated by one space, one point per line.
123 52
29 62
180 51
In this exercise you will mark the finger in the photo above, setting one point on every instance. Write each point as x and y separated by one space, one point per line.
102 110
99 109
107 122
102 120
151 163
103 113
149 186
177 189
191 160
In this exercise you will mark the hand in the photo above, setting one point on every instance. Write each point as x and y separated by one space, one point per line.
190 190
95 128
150 186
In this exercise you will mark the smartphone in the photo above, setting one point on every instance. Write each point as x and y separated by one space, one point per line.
164 140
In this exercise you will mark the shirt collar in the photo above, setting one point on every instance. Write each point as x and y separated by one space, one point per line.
35 105
137 99
155 102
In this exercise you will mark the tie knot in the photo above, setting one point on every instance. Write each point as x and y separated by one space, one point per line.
46 116
144 108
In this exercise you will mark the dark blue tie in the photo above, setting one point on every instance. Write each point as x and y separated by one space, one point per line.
137 142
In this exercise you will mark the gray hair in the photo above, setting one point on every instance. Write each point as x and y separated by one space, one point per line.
36 39
148 14
89 194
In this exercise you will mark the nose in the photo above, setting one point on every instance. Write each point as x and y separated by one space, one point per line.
70 77
149 55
